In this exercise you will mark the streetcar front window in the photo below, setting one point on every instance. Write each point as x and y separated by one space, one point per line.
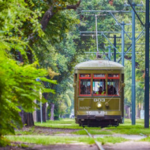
99 84
99 87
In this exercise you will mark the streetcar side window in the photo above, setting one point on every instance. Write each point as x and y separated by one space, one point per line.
85 87
113 84
85 84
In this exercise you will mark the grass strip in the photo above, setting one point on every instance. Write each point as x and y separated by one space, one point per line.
147 139
93 132
129 129
48 140
111 139
59 124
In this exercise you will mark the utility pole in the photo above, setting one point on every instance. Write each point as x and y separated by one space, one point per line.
146 120
133 57
133 66
109 52
146 96
123 24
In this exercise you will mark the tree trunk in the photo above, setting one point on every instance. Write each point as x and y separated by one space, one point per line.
52 105
44 112
27 118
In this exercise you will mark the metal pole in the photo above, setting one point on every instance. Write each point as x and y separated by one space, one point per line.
114 48
41 105
109 52
146 121
123 43
96 31
133 66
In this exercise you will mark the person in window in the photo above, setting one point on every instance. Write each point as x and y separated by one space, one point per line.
100 90
82 89
113 90
88 90
104 91
109 89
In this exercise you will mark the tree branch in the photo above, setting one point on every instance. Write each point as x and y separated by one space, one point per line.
49 14
74 6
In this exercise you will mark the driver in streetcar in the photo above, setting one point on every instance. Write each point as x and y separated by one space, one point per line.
100 90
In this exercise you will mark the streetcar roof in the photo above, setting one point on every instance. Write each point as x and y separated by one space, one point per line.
98 64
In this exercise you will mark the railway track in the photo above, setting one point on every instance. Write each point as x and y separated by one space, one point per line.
97 143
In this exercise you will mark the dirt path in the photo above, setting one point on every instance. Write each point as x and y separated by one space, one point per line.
56 147
128 146
118 146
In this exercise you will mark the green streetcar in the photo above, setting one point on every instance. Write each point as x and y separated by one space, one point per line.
99 93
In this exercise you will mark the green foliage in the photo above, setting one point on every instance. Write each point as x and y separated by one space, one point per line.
18 85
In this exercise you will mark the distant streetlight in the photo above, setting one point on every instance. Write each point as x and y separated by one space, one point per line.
40 92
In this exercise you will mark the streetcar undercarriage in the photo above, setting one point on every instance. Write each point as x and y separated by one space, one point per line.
94 121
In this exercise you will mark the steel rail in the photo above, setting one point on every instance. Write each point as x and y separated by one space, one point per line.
97 143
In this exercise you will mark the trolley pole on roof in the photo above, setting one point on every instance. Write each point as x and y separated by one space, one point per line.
133 65
146 120
114 48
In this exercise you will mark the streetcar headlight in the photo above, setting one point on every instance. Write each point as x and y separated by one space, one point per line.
99 105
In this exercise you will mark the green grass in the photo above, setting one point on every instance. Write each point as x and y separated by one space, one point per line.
147 139
62 124
93 132
47 140
125 128
110 139
129 129
39 137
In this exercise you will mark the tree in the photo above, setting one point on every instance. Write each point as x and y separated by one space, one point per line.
18 86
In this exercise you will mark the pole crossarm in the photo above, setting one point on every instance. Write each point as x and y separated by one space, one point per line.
109 41
108 11
139 36
132 6
99 32
111 32
120 25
